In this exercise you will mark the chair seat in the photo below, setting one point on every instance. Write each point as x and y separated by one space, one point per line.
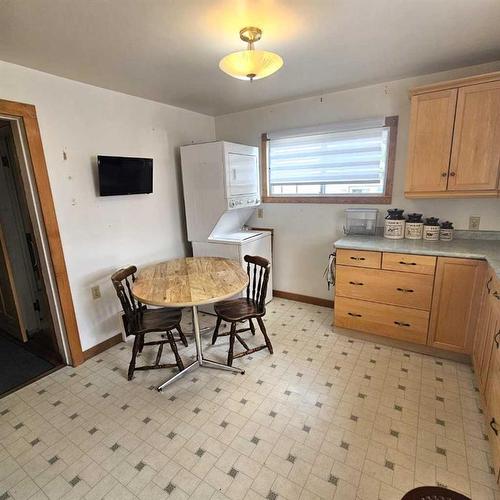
433 493
238 310
159 320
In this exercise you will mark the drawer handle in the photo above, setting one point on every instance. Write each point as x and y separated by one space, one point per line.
407 263
488 284
357 283
405 290
400 323
496 294
497 337
357 258
492 425
355 315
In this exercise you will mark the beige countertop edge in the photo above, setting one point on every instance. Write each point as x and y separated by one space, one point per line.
488 250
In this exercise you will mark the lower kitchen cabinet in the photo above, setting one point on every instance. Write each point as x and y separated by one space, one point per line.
485 332
449 303
455 304
486 359
492 399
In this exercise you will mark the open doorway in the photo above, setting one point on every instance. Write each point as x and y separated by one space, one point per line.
29 346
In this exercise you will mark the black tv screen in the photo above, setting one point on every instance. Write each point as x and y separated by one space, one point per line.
120 175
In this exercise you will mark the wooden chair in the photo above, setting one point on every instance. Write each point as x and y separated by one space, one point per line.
138 320
433 493
245 309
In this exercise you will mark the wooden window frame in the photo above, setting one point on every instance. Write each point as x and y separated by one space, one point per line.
384 198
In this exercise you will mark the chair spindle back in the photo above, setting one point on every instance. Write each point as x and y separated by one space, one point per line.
258 270
122 281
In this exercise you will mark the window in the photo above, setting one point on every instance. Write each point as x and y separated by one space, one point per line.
341 163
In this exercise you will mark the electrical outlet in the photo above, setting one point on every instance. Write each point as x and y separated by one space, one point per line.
474 222
260 213
96 292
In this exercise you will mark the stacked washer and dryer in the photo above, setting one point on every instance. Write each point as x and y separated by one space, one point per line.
221 192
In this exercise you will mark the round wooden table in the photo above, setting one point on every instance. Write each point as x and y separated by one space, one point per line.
191 282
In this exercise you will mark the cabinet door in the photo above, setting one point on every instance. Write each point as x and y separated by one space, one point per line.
481 340
475 154
490 347
492 393
455 304
431 132
482 327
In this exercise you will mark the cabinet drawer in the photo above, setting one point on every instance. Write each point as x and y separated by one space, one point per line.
397 322
420 264
388 287
359 258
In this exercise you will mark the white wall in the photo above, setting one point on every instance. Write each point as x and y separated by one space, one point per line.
304 233
100 235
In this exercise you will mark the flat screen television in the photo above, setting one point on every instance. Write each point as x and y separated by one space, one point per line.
121 175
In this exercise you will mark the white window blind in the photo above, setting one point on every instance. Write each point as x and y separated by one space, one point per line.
328 163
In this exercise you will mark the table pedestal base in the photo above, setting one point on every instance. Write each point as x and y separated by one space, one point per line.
200 360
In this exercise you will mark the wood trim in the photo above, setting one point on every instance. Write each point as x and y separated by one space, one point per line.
452 194
459 82
27 113
306 299
392 123
383 199
264 156
102 346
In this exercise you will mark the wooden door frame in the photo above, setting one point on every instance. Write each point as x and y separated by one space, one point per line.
26 113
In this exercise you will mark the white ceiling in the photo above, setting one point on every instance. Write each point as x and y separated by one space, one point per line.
168 50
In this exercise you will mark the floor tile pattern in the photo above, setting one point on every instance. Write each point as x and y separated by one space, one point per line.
325 417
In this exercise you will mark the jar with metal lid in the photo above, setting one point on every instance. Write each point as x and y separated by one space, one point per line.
431 229
394 226
414 227
446 231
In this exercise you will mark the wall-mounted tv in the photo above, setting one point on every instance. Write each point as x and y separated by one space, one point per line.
121 175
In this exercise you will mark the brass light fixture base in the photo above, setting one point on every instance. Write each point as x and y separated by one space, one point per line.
250 34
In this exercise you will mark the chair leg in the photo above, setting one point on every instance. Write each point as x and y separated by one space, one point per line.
263 330
182 336
173 345
138 341
232 336
141 344
216 330
252 327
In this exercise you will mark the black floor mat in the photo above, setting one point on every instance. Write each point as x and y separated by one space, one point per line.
18 365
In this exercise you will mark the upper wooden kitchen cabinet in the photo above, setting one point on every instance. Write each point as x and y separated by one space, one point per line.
431 134
455 303
454 139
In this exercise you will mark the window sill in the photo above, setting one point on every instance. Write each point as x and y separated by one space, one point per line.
351 200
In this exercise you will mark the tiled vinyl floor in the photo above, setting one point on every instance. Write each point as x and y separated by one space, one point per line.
325 417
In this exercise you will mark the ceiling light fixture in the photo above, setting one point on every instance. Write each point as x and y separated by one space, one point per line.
251 64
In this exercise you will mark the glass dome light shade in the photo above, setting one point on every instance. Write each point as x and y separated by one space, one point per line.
251 64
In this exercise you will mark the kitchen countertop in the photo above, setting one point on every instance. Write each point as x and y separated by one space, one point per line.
466 249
